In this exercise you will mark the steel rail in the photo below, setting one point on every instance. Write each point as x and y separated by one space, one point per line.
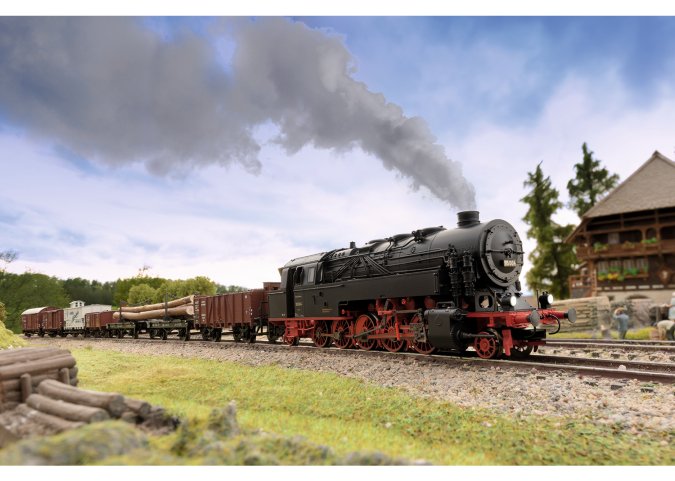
582 366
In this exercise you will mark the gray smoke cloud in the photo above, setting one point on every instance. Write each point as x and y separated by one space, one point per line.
112 90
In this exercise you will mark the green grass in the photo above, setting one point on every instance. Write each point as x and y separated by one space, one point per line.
641 334
349 415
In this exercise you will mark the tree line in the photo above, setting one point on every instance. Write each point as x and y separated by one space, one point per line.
19 292
552 259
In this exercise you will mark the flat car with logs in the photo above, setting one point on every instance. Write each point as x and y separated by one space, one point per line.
433 289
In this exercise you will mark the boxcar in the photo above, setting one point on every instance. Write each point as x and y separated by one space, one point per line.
52 322
74 316
31 320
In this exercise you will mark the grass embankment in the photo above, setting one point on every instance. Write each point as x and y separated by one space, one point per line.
9 339
350 415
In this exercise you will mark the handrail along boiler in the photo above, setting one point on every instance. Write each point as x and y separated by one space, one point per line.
431 289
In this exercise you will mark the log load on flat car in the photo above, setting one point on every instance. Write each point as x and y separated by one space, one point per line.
431 289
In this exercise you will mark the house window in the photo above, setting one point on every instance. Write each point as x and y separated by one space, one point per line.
642 265
613 238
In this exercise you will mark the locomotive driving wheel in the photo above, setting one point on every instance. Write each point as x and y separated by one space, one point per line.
392 344
341 333
321 336
365 324
488 347
419 346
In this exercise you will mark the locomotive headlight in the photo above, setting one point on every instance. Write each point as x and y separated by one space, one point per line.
545 300
509 300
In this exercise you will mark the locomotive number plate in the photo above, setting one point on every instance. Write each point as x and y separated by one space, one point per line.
509 262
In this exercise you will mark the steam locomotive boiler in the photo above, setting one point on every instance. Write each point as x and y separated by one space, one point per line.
431 289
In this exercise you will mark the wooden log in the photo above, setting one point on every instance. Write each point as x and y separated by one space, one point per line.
11 396
8 406
26 386
111 402
159 305
37 367
14 384
29 354
141 408
66 410
54 422
180 311
64 375
129 417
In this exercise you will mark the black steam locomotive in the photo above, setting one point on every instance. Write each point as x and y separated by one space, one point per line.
431 289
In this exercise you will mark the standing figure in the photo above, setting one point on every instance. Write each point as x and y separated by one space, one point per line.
621 317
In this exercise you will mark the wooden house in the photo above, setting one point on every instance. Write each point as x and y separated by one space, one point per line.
626 242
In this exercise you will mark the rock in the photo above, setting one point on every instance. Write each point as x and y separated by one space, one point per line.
224 421
86 445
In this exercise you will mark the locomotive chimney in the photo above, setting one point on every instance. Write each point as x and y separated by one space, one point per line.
467 218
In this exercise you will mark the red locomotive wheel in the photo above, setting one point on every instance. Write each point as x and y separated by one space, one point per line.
421 347
392 344
321 335
365 323
488 347
291 341
341 335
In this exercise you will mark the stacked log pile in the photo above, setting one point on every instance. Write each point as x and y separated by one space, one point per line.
22 370
39 384
593 313
182 307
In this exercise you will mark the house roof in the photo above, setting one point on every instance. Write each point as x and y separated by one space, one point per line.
650 187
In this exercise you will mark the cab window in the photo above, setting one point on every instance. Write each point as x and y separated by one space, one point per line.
310 275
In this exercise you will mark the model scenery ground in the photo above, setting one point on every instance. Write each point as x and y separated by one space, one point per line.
350 414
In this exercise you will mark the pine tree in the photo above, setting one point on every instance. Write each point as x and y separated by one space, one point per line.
552 260
591 182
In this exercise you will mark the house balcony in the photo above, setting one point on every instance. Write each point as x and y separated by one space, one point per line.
627 249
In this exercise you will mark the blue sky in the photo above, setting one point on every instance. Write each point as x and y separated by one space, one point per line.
498 94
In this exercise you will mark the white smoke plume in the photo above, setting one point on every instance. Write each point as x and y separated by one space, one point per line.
112 90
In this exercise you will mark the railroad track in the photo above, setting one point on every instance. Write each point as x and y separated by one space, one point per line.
536 363
648 342
660 346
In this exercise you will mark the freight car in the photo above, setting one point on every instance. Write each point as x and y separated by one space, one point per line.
430 289
244 314
32 320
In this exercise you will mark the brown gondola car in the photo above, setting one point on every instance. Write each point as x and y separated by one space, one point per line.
95 323
52 322
31 320
244 313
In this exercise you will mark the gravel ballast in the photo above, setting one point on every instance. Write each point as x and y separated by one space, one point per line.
636 406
